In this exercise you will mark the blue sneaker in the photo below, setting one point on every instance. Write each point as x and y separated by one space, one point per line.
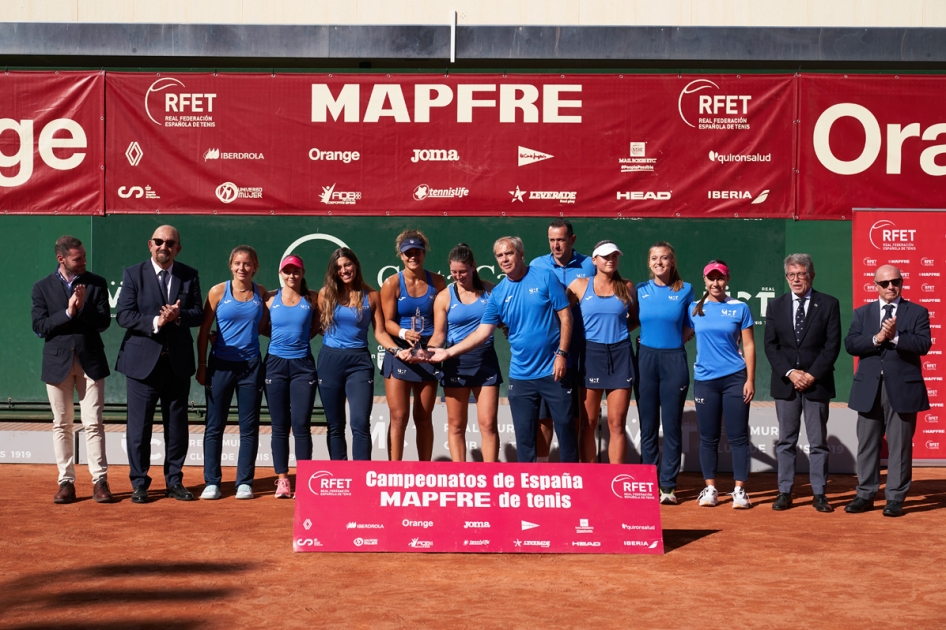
210 493
244 491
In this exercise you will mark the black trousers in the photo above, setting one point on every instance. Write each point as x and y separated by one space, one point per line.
172 391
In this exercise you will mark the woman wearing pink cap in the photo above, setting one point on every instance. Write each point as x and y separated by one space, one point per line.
608 307
407 300
723 380
291 379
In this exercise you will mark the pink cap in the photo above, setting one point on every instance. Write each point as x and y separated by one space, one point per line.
715 266
292 260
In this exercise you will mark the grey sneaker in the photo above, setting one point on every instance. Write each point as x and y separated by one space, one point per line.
244 491
210 493
668 496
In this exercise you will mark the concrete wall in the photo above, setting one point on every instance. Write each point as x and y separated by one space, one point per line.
815 13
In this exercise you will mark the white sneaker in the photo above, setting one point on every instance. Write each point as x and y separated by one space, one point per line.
244 491
740 500
210 493
668 497
708 497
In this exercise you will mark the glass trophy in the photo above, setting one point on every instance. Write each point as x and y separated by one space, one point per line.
417 325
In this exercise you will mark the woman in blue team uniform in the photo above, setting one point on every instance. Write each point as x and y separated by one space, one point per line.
723 380
291 379
457 313
663 373
237 307
404 295
348 306
608 312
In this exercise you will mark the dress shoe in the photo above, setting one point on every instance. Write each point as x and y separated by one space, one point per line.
179 492
859 505
893 508
140 495
101 492
782 502
66 494
821 504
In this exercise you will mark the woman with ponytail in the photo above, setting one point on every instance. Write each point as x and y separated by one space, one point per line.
663 373
291 379
348 306
608 309
723 380
457 313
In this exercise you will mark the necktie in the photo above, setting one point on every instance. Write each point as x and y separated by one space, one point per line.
888 313
800 319
163 277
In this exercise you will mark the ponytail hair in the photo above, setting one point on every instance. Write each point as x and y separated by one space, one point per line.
676 282
698 309
464 255
618 284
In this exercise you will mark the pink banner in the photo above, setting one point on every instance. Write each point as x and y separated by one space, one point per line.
52 142
913 241
478 508
463 144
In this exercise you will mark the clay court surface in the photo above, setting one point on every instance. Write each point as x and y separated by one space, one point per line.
229 564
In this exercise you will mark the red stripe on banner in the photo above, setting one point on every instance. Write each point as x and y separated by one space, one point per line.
479 508
527 145
52 141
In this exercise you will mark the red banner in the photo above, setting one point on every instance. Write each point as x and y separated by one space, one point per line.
52 140
526 145
913 241
870 142
468 507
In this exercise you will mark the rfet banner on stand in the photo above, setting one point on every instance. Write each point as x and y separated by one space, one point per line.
378 144
913 242
870 141
52 142
468 507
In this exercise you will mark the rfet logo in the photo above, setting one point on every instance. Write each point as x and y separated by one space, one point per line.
933 446
870 262
323 483
885 235
703 106
626 487
176 107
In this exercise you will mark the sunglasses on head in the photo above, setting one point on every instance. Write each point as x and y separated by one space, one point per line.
160 241
884 283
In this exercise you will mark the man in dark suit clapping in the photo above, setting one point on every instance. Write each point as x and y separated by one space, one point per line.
888 337
70 309
802 343
159 303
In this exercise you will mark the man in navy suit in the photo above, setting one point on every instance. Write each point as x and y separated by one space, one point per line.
70 309
888 337
159 303
802 342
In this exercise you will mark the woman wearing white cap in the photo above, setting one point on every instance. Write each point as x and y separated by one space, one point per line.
608 311
291 379
407 300
724 380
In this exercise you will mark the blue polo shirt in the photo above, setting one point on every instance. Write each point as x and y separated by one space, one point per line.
528 307
717 337
580 266
663 314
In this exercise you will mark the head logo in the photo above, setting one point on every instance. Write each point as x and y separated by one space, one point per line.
227 192
134 154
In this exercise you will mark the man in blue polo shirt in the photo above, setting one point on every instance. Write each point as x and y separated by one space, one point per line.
533 304
567 265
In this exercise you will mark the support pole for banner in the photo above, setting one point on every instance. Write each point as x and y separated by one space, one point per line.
453 36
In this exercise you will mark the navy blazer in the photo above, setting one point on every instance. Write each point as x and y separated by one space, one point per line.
139 302
65 337
819 348
900 364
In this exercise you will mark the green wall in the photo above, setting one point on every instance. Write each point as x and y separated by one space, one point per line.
753 248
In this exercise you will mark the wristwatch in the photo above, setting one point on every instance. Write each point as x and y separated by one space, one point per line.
562 353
